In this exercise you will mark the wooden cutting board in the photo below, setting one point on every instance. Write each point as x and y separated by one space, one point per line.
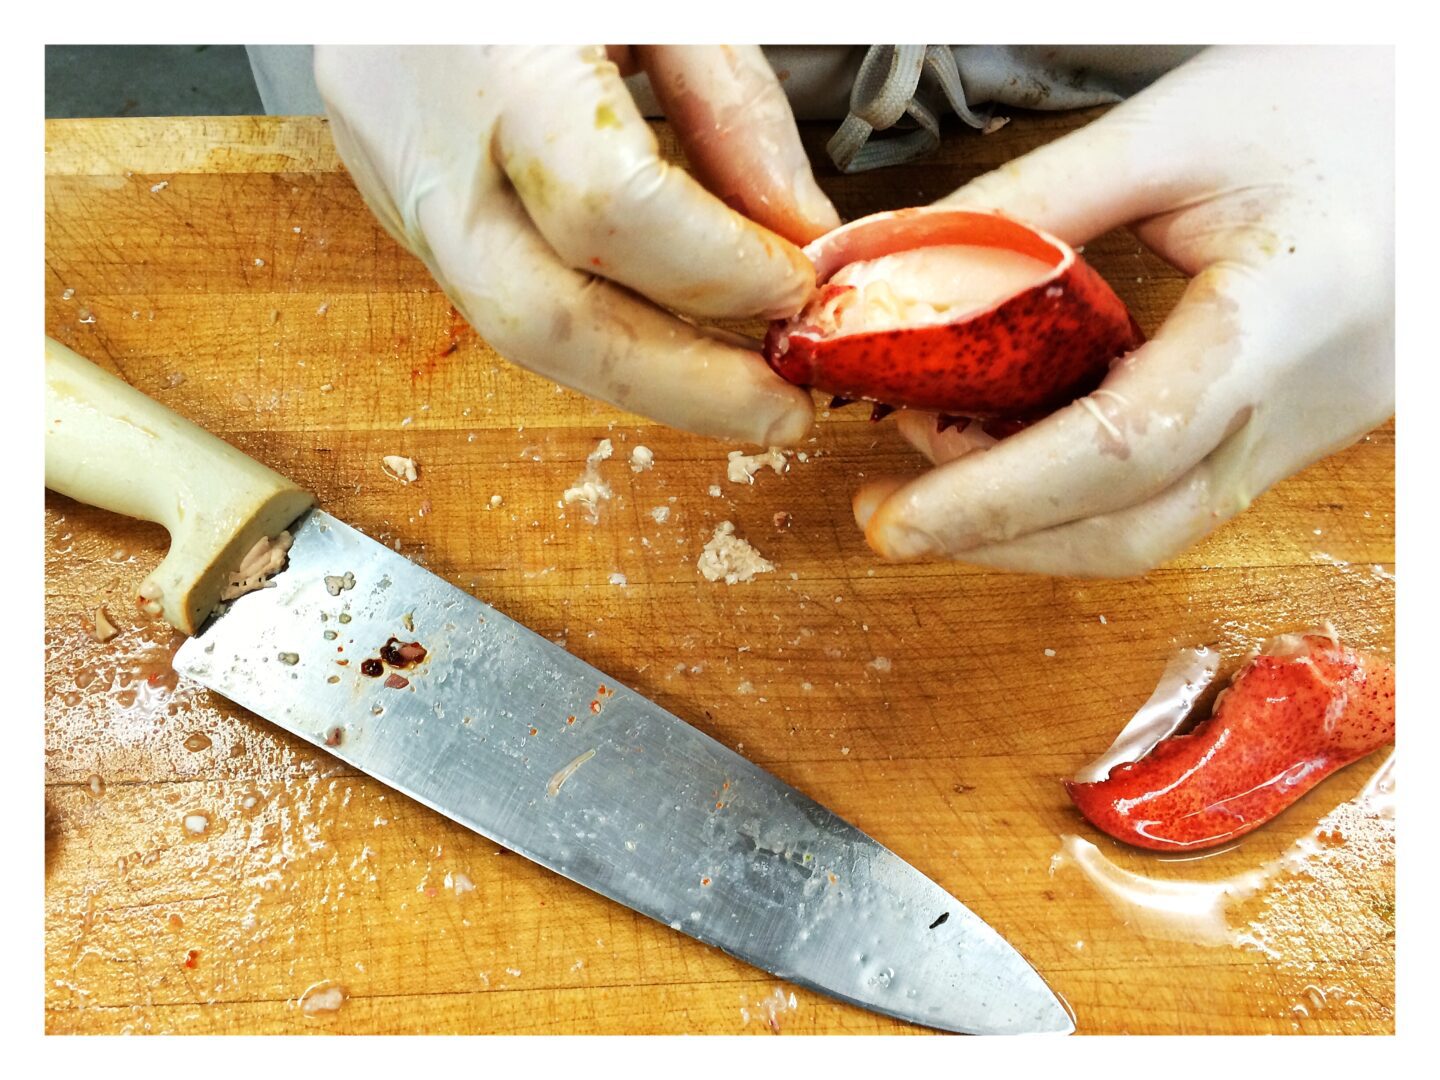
229 268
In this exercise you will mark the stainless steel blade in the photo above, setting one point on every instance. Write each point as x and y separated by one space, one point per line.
512 736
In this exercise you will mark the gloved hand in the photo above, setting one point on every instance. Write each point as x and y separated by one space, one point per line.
1266 174
530 185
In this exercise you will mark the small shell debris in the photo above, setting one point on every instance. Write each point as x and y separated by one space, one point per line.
150 594
196 824
100 628
496 501
714 491
335 584
322 997
994 124
67 294
641 458
661 514
742 467
619 579
400 468
289 658
880 663
155 189
462 884
727 557
1049 652
589 490
558 780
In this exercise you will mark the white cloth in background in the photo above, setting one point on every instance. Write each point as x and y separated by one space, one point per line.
821 83
285 77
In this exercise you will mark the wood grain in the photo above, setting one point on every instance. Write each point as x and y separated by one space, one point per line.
229 268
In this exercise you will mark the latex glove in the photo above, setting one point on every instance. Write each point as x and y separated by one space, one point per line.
1267 175
530 185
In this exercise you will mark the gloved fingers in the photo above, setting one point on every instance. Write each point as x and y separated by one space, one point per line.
588 169
624 59
1117 169
394 113
1159 412
867 499
596 337
922 431
739 134
360 163
1137 539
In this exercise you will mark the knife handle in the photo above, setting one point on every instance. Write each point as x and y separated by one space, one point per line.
109 445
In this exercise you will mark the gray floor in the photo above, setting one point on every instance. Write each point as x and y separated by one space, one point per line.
149 80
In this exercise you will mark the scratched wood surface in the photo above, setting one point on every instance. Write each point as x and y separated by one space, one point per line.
229 268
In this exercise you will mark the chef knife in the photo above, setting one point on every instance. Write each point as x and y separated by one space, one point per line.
418 684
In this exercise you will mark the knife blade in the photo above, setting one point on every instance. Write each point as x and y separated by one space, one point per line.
423 687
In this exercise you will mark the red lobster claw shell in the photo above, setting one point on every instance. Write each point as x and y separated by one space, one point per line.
1018 358
1291 717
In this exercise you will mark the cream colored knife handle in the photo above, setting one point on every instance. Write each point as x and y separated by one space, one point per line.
109 445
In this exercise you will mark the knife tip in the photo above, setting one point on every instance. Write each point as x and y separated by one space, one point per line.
1056 1020
1030 1007
1052 1013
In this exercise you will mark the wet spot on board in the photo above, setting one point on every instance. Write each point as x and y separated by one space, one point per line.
769 1010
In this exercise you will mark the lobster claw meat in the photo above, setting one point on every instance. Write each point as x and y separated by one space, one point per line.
1301 709
964 313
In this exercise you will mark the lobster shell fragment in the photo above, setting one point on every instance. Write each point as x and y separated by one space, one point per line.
1293 715
1037 346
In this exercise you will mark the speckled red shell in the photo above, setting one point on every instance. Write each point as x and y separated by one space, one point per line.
1284 724
1021 358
